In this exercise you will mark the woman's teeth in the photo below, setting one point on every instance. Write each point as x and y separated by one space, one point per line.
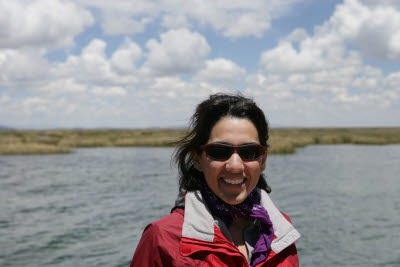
233 181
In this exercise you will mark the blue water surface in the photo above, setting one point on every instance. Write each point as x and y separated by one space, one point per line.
90 208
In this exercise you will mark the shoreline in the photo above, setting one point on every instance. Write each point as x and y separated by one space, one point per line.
282 140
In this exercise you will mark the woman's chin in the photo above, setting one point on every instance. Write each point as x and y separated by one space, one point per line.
232 194
234 199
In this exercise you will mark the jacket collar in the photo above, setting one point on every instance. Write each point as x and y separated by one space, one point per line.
199 222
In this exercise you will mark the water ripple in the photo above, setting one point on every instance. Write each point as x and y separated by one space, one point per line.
90 208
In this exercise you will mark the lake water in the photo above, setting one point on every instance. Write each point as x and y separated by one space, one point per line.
90 208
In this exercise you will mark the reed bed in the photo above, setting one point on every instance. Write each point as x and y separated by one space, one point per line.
32 149
282 141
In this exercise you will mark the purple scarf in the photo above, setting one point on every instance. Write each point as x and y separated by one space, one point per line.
249 208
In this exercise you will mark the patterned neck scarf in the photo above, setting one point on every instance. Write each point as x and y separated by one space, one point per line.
249 208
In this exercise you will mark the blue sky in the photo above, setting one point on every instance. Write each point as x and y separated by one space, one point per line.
141 63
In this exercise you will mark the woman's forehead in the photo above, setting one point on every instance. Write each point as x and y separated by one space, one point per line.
235 131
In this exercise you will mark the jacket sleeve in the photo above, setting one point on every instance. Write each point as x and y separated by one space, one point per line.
286 258
148 251
289 255
159 245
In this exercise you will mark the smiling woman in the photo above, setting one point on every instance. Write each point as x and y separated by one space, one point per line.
235 176
223 215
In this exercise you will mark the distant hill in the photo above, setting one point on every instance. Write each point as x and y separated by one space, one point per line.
3 128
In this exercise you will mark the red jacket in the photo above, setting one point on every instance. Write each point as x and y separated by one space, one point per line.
192 237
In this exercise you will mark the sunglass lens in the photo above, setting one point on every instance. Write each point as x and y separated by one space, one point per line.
250 152
219 152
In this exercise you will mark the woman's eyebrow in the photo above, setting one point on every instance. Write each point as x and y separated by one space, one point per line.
226 143
221 142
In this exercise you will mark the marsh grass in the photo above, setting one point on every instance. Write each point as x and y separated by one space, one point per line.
32 149
281 140
287 140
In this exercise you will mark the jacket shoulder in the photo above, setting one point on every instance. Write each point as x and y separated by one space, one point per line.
170 224
165 231
159 243
286 217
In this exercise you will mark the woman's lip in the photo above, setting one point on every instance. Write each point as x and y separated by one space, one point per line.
234 181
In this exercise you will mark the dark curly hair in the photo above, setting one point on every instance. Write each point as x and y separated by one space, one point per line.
207 114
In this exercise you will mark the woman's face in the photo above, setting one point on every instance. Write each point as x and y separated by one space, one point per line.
232 180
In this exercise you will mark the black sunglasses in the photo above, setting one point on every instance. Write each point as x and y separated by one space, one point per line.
222 152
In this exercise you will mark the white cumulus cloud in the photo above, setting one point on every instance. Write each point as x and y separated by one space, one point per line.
41 23
375 29
108 91
324 74
314 77
23 67
178 51
233 19
124 58
220 70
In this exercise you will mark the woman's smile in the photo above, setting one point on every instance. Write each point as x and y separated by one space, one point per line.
232 180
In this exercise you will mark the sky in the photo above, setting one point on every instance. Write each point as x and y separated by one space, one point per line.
148 63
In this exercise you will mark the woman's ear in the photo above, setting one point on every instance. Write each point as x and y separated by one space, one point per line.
196 161
264 160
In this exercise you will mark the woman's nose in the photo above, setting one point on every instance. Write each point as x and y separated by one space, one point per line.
234 164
